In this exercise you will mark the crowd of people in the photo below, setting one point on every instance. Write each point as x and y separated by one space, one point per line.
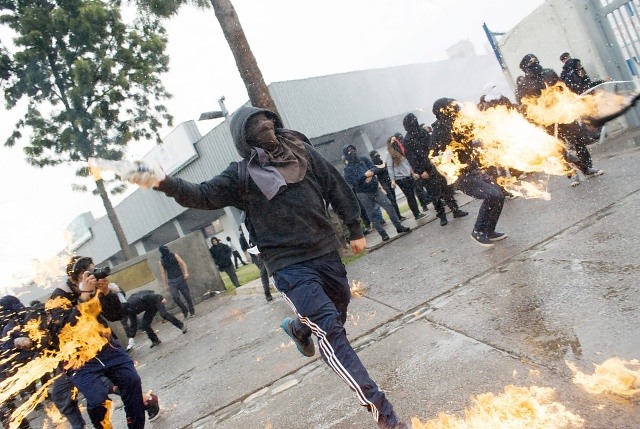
284 187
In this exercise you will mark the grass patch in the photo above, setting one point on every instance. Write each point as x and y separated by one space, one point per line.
245 273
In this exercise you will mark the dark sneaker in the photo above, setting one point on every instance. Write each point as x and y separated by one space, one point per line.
402 218
497 236
184 329
155 343
402 229
269 297
385 236
152 406
481 238
306 348
459 213
419 216
443 221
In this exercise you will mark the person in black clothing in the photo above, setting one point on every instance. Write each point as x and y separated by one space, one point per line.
150 303
244 244
235 253
175 273
576 78
221 254
360 173
264 274
385 181
417 147
283 184
535 80
472 180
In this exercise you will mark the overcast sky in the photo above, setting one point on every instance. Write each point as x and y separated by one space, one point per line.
291 39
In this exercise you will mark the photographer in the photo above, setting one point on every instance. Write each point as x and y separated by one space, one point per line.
69 307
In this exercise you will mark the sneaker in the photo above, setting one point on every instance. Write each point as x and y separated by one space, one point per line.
132 343
481 238
443 221
384 236
269 297
459 213
306 348
155 343
152 407
419 216
184 329
592 172
497 236
402 229
402 218
575 181
192 315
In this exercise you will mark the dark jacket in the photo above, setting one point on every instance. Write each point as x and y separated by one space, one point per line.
292 227
144 300
354 174
417 144
573 80
221 254
532 85
443 134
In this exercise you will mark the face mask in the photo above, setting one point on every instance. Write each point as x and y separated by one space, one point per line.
535 68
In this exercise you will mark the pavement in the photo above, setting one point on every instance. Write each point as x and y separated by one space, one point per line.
437 320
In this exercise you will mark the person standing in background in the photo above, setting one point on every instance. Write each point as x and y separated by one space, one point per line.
235 253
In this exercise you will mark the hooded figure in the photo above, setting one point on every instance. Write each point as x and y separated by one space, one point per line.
575 76
284 186
418 143
536 78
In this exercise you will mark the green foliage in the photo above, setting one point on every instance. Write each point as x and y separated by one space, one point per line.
92 81
167 8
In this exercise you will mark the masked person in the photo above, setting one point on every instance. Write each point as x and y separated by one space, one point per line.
576 78
175 273
472 180
149 303
221 255
417 144
385 181
111 361
535 80
360 173
283 185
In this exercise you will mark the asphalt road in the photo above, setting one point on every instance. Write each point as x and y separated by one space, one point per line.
441 319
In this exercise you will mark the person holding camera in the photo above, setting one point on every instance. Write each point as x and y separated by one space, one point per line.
68 308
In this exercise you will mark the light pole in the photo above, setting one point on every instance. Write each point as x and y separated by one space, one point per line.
215 114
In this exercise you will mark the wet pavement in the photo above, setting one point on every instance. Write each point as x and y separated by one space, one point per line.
440 319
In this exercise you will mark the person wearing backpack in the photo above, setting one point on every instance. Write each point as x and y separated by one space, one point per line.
284 193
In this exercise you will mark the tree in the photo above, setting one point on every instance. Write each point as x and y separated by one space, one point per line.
92 83
233 32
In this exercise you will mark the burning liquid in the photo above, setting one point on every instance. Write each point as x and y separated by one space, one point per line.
509 140
516 408
615 376
78 344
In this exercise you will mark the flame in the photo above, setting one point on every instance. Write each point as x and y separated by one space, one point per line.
508 140
357 288
557 104
50 271
54 415
615 376
518 407
78 344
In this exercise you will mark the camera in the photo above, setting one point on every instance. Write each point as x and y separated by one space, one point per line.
101 273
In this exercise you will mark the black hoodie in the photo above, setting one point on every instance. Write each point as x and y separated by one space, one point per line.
416 145
293 226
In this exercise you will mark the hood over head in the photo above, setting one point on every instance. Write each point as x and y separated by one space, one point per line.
164 250
445 108
530 64
350 157
573 64
238 125
410 123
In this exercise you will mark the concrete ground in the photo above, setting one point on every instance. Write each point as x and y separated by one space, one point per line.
439 319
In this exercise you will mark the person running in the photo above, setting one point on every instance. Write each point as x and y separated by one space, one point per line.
283 184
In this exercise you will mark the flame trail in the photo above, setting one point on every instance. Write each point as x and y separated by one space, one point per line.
615 376
516 408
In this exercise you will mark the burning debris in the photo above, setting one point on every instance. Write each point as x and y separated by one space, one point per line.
516 408
615 376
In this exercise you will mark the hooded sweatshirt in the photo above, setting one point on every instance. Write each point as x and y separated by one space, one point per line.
445 111
416 145
354 172
291 227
